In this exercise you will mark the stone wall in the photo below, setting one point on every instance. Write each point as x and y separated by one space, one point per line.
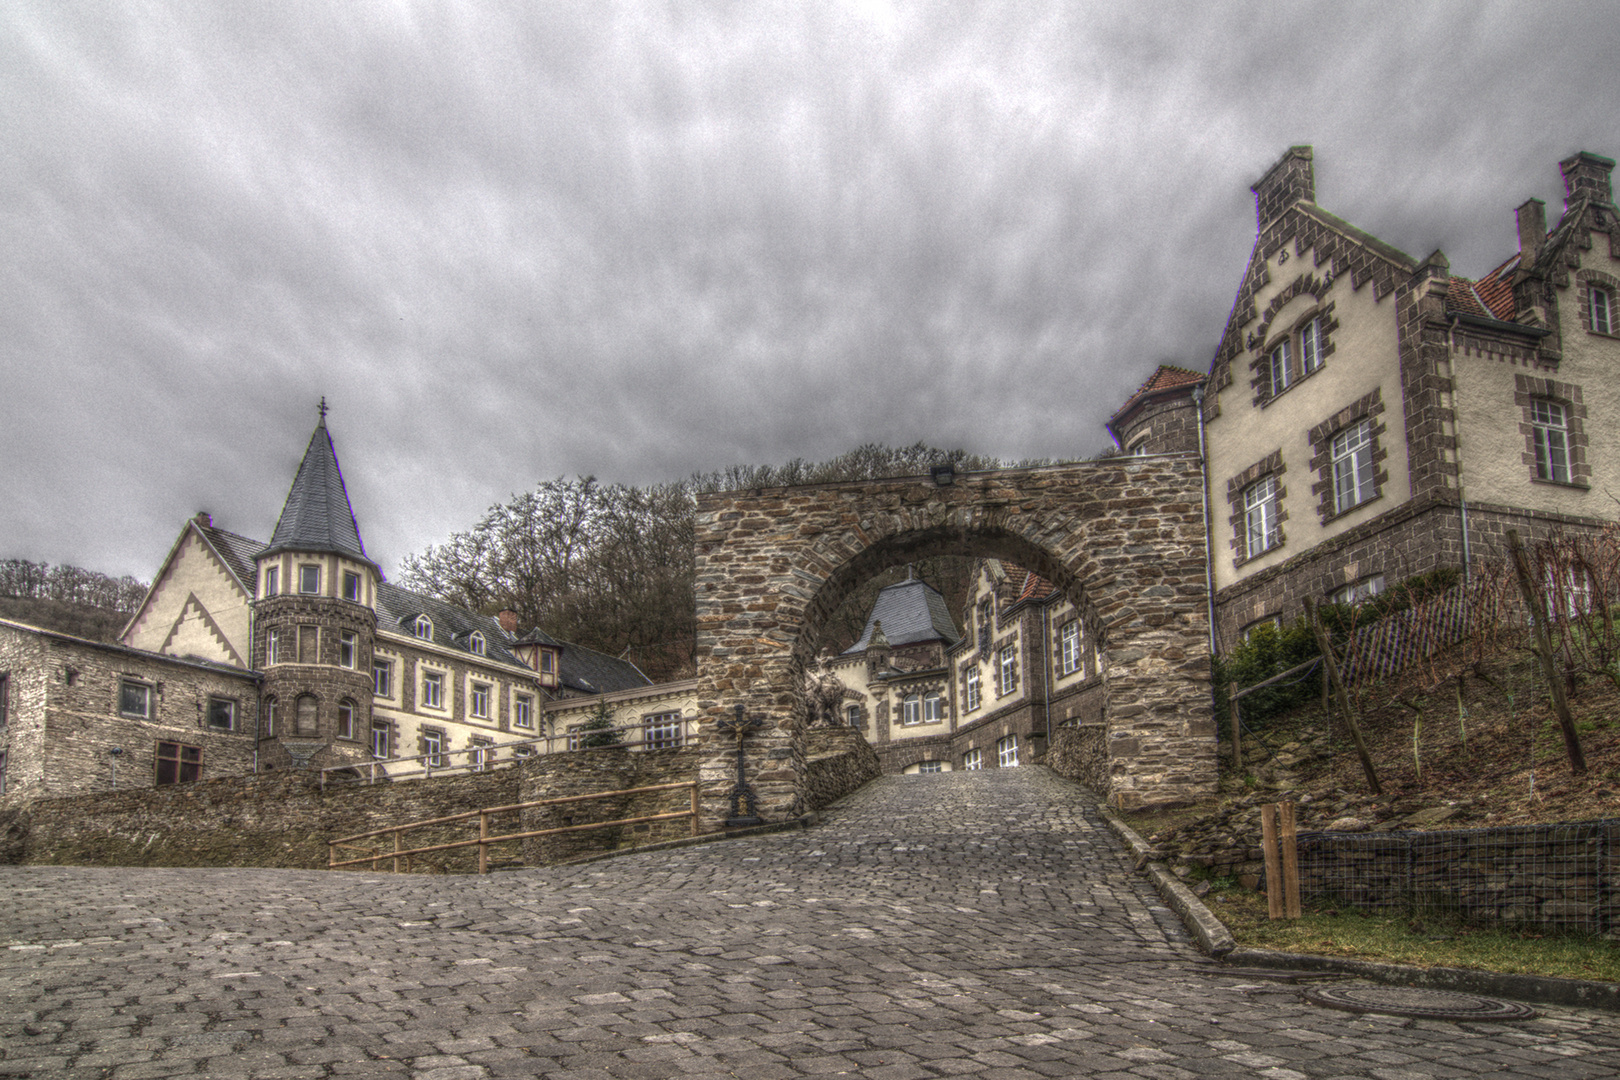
1080 752
277 819
1565 877
838 761
1122 538
617 768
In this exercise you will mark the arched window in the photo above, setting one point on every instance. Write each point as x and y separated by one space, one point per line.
911 709
852 715
475 643
306 723
345 724
270 716
423 628
933 707
1602 311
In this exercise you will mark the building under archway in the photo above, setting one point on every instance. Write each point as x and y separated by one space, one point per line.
1123 539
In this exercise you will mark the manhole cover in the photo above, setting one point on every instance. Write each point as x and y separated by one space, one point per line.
1414 1001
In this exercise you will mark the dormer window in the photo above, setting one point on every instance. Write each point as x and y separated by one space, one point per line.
309 580
475 643
423 628
548 662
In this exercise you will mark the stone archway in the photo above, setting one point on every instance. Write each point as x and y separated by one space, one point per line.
1123 537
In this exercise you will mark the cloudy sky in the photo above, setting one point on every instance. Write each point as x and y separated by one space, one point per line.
645 239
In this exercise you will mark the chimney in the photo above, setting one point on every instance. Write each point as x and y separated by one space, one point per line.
1291 180
205 519
508 620
1587 176
1532 230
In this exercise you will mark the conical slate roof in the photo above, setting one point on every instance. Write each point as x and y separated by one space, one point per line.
910 611
317 515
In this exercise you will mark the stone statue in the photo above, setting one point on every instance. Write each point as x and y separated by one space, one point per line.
823 695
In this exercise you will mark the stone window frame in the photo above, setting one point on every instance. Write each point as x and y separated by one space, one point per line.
311 633
488 691
273 648
268 706
1527 390
384 687
1588 282
973 760
389 739
911 709
936 696
476 644
348 649
1236 486
187 762
853 714
663 730
972 687
300 728
1262 343
432 753
231 705
1007 669
346 710
309 579
272 581
1369 407
351 586
148 691
1007 751
923 766
438 678
520 699
1071 654
422 628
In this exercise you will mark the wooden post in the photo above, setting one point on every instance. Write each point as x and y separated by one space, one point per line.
1543 650
331 854
1288 844
397 846
483 842
697 802
1326 645
1237 727
1268 843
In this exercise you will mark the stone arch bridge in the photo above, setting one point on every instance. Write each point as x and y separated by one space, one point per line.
1122 537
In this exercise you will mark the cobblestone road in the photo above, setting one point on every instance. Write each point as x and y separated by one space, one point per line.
970 924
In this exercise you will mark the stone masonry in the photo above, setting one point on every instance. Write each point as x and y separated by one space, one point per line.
1124 538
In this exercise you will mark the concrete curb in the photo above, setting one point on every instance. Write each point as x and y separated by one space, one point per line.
1541 989
1211 934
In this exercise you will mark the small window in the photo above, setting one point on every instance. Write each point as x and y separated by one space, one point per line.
178 763
852 715
1277 368
221 714
380 739
1602 311
1007 752
933 707
272 580
432 748
930 766
309 579
351 586
346 649
1139 448
973 760
309 644
1069 639
423 628
1352 454
5 697
972 691
270 717
1358 591
576 736
480 700
1262 529
307 719
523 712
345 723
522 751
382 678
662 731
1264 624
1009 670
548 662
1310 346
1550 424
482 756
433 689
278 647
475 644
135 699
911 709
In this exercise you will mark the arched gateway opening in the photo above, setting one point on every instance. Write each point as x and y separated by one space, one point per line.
1123 538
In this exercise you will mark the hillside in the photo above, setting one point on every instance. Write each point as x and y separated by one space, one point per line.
80 620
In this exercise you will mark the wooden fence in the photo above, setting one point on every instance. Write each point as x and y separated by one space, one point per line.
376 853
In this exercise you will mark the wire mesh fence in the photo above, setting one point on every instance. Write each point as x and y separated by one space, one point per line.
1561 877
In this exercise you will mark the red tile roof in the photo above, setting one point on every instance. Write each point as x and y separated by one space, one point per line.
1164 377
1030 585
1490 297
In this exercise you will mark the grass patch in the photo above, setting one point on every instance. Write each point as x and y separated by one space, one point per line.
1427 941
1147 822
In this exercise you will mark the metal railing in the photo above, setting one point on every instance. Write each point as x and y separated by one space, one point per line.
475 759
376 855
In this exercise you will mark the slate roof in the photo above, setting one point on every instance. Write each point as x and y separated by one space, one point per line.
238 552
911 611
398 608
317 515
586 671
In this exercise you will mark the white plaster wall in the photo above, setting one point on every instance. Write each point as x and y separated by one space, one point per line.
168 624
1364 358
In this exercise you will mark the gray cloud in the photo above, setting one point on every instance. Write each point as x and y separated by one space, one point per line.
639 241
